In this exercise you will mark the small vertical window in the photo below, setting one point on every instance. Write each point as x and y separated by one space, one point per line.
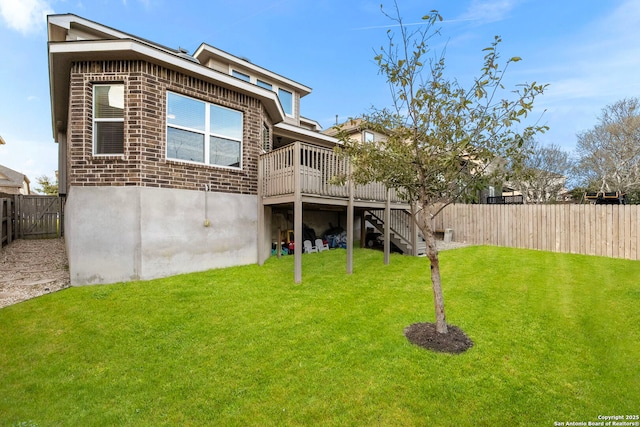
241 76
108 119
266 138
286 100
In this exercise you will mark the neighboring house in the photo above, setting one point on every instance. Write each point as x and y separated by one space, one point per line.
404 235
541 187
12 182
172 163
356 130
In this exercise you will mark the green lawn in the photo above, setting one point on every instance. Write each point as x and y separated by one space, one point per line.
557 338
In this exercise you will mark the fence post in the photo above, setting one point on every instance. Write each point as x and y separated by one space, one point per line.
16 216
9 222
2 222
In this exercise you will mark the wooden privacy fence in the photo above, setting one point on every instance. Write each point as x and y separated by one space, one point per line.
31 217
605 230
7 231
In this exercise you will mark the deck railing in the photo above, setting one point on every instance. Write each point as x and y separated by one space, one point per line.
318 167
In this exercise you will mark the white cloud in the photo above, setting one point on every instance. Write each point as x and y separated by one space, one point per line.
488 11
32 158
601 65
588 70
25 16
145 3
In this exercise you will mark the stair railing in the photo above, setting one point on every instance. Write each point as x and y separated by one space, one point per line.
402 225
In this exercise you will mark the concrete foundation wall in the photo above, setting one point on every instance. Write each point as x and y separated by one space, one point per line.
116 234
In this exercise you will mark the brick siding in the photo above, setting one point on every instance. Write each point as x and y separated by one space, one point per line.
144 161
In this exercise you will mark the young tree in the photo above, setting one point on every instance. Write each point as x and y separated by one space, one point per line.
609 154
46 186
543 175
444 142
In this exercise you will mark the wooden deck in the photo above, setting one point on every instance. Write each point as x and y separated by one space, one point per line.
309 172
300 174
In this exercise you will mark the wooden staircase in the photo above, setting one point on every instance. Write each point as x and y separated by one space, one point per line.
401 231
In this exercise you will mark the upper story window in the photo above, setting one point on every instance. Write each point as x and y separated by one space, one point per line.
241 76
201 132
108 119
286 99
264 84
368 136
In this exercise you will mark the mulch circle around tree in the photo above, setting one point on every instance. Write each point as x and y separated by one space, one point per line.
425 335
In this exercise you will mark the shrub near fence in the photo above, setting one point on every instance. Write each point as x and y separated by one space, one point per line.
605 230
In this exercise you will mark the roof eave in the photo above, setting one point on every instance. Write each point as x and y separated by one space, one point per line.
204 51
305 135
62 54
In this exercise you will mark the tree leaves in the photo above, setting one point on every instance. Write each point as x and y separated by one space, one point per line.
609 153
435 125
443 142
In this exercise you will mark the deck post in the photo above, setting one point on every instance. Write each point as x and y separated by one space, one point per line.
350 226
363 230
261 227
387 229
297 215
279 243
414 230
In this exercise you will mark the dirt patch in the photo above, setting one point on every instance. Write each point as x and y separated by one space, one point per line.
425 336
443 246
30 268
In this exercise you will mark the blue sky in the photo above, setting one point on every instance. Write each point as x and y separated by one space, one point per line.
588 51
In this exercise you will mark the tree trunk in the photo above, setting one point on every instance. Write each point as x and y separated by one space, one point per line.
436 282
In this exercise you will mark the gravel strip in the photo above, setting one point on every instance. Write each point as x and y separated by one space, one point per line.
442 246
30 268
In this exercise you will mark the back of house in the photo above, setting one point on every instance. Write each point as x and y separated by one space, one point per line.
159 151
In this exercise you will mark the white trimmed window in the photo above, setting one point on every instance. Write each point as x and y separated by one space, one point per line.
264 84
368 136
286 100
201 132
108 119
241 76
